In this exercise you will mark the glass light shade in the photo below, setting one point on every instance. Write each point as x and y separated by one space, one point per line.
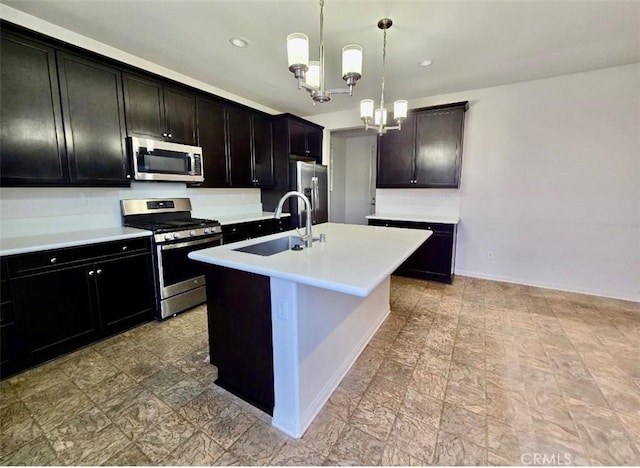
380 115
400 109
298 49
313 74
351 59
366 108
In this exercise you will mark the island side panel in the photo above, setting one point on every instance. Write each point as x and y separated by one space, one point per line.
240 335
319 334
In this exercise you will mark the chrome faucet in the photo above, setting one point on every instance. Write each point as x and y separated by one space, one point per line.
308 237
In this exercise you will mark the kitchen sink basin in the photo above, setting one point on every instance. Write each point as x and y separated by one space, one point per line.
273 246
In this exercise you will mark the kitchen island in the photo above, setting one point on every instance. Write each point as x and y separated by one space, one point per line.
284 329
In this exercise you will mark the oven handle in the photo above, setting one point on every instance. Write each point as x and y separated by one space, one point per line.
210 240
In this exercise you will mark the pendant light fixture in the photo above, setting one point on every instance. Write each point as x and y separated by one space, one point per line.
310 75
379 115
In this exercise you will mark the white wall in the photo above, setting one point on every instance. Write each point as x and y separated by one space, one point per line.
360 152
33 211
550 181
338 173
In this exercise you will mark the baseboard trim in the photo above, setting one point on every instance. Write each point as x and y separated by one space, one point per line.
508 279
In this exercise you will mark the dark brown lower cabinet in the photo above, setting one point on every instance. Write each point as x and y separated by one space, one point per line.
435 258
252 229
240 340
64 299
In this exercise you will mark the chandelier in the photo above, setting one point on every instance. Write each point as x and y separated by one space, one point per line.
310 75
379 116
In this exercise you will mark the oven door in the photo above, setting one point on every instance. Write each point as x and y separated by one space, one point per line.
177 272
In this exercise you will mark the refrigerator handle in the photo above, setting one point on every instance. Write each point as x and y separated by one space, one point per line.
314 199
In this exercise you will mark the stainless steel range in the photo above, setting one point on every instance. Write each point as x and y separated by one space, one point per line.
180 282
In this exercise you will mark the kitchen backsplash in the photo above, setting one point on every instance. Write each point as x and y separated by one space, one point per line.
433 202
33 211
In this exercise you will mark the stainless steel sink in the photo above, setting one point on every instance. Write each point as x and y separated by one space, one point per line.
273 246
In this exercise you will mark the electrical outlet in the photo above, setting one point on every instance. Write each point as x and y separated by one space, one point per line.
490 255
282 309
85 198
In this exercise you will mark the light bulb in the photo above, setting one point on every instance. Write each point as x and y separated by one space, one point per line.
298 49
351 60
380 115
366 109
400 109
313 74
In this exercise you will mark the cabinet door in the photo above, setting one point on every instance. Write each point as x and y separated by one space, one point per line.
94 121
439 148
32 150
262 151
314 143
432 258
180 115
9 331
144 107
124 292
239 125
240 343
57 311
396 150
212 138
297 139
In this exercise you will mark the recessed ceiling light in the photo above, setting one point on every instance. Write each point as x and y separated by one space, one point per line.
425 63
239 42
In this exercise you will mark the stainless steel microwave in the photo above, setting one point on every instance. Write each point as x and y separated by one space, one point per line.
160 160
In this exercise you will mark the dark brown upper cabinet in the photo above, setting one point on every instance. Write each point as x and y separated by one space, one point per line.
302 138
32 149
262 150
212 138
93 116
62 118
427 152
239 124
155 110
236 145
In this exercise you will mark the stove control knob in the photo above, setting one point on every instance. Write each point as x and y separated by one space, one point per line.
168 236
193 233
176 235
208 230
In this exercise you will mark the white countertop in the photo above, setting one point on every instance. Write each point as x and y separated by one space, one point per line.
354 260
246 217
26 244
419 218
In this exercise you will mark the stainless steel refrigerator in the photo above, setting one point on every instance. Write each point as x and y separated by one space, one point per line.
311 179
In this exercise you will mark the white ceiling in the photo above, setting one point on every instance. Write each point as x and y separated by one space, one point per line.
473 44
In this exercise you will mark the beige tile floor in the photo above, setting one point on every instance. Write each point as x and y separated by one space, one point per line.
476 373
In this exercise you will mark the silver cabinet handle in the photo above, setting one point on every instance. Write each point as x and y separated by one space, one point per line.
170 135
99 271
165 134
53 260
315 195
124 247
91 272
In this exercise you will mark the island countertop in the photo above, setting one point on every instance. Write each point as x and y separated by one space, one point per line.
354 259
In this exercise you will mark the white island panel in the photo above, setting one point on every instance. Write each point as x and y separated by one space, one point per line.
317 336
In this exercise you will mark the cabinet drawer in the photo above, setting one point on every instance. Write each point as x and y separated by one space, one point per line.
435 227
40 261
242 231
